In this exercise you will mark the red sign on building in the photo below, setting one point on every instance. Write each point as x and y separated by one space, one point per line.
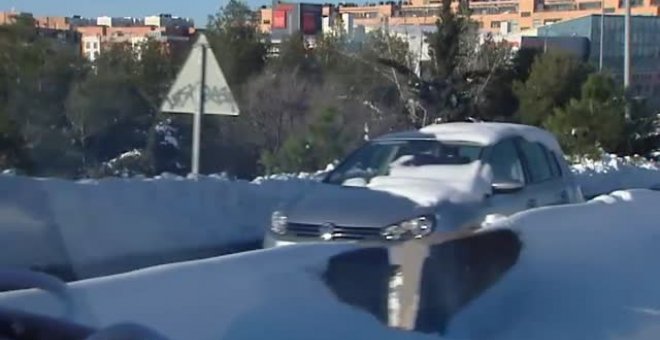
279 19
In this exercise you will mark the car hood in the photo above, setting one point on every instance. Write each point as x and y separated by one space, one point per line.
385 200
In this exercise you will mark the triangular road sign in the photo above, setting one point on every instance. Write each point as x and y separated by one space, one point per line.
184 95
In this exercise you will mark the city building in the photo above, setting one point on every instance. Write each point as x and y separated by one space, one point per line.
91 46
45 22
415 36
288 18
49 26
494 16
96 34
53 22
265 19
8 18
645 47
579 47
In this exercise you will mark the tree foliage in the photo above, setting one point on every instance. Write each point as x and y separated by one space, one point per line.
325 141
593 122
302 106
553 81
450 40
239 47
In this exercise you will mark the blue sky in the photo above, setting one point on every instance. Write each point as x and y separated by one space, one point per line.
196 9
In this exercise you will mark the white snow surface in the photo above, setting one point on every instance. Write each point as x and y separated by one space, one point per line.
273 294
120 165
168 133
586 271
113 225
611 172
488 133
590 274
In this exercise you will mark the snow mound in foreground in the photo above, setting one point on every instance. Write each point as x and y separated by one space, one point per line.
612 173
586 271
590 274
274 294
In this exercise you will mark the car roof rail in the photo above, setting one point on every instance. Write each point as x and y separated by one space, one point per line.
440 120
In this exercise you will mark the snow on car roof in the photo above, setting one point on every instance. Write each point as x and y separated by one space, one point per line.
490 133
484 133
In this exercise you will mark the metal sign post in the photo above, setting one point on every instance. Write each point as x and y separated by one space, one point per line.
199 89
197 118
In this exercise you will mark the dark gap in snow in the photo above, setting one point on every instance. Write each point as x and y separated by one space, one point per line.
459 271
360 278
454 274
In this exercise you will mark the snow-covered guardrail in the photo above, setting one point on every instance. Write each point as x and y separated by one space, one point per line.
90 228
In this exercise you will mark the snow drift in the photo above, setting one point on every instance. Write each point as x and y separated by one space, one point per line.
610 173
274 293
589 274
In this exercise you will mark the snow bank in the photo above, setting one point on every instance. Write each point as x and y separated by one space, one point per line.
589 274
275 293
88 228
316 176
612 173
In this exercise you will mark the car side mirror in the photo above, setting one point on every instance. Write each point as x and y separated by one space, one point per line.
507 187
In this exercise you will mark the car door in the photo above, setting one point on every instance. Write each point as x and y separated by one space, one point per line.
546 185
506 164
567 190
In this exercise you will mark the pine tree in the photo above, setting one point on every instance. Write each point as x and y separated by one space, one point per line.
553 81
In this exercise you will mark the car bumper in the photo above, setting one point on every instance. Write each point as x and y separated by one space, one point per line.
271 242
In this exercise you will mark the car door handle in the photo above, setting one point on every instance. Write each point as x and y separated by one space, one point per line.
531 203
564 196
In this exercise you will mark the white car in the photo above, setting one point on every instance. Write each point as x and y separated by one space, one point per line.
427 183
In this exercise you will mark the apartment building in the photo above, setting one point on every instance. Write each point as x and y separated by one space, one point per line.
96 34
495 16
286 18
48 26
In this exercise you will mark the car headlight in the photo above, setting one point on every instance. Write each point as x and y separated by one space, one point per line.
278 223
412 229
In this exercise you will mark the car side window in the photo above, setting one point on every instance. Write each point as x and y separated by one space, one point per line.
536 159
554 164
505 163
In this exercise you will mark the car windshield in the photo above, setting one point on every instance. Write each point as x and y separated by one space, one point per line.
377 158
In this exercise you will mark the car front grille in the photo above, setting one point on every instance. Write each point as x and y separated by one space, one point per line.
339 232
